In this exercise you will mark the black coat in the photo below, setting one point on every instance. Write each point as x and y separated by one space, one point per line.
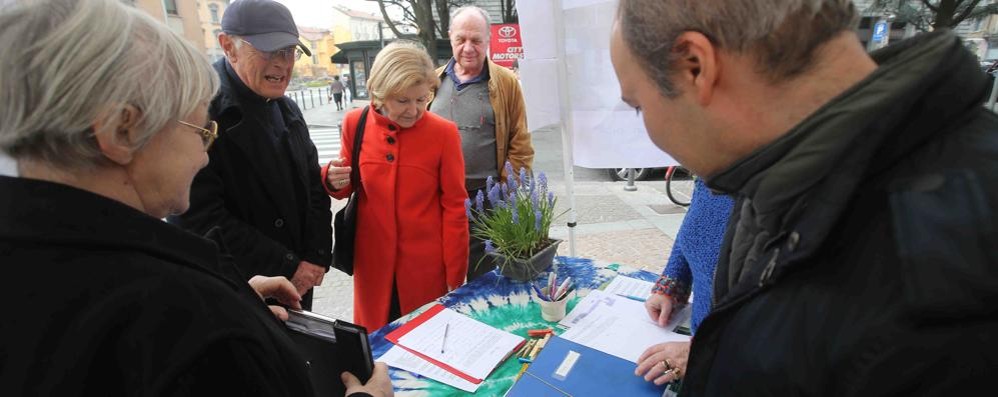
104 300
860 259
247 188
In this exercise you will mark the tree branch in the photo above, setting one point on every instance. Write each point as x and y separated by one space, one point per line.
388 21
966 12
930 6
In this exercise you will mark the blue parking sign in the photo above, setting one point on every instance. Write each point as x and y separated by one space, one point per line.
880 31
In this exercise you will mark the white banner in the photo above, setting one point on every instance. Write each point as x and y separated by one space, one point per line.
607 133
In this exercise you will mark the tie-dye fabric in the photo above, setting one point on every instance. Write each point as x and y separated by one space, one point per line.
507 305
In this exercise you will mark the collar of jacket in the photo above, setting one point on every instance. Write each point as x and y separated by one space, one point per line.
233 94
57 214
921 86
492 68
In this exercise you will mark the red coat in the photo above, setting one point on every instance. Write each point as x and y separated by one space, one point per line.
411 222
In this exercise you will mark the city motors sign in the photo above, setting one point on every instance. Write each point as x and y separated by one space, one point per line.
506 46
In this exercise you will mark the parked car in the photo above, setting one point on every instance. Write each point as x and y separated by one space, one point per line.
640 174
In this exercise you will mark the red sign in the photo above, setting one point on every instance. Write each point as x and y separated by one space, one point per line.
506 46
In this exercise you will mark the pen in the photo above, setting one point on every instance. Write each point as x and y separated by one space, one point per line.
564 294
633 298
552 283
540 294
444 342
562 288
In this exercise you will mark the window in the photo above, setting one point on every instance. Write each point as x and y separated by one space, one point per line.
213 9
170 6
315 59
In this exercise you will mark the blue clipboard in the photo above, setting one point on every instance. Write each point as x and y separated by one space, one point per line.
568 369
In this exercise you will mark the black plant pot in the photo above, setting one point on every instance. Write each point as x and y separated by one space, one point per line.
528 269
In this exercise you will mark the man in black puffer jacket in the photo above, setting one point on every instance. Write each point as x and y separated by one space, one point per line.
860 258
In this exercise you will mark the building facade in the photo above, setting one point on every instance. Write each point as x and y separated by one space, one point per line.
211 12
182 16
322 45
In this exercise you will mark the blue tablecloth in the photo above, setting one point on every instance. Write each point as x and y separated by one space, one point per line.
505 304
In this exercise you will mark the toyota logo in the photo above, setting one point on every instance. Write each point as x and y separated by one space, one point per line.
507 31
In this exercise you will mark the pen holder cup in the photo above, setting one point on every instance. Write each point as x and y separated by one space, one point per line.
552 311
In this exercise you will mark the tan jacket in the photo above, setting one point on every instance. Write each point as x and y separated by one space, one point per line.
512 138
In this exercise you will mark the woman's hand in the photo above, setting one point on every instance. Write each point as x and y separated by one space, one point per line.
664 362
278 288
659 308
338 176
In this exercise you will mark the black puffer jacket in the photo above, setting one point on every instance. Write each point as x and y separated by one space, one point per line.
861 257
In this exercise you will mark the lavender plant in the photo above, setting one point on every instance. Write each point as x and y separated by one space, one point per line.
516 227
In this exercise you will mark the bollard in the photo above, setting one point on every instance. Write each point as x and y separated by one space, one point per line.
994 94
312 97
629 187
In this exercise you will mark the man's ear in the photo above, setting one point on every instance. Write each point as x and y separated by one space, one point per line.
698 65
117 139
228 47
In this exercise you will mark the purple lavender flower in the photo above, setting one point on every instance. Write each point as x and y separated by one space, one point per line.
512 200
551 198
534 197
543 181
511 181
523 176
505 190
516 216
509 168
489 248
537 220
488 183
494 195
480 201
467 208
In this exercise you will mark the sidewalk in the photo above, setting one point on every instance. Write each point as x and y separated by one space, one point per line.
633 228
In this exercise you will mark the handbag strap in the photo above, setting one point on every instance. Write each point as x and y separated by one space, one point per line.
358 138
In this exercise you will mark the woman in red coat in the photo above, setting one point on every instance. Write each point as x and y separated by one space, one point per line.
412 230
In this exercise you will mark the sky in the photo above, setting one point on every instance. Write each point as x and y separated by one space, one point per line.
318 13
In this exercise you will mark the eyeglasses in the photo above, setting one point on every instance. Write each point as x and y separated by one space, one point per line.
208 135
288 53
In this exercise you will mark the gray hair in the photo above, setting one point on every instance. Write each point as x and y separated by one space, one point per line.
481 12
71 64
782 35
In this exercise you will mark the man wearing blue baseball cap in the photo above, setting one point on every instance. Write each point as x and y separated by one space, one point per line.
262 186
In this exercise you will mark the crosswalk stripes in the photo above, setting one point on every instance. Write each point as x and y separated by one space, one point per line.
327 142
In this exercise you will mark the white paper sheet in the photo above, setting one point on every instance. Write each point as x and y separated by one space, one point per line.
400 358
618 326
471 346
629 286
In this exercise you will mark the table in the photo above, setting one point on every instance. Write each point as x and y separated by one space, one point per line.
507 305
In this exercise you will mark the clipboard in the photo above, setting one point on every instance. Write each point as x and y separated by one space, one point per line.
566 369
330 347
398 333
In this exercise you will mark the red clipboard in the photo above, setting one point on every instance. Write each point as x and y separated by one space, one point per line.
419 320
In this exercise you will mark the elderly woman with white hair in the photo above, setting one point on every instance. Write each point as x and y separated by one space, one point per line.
105 112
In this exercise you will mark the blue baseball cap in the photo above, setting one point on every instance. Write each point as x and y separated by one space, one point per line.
266 24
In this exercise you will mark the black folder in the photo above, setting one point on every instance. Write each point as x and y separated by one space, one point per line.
330 347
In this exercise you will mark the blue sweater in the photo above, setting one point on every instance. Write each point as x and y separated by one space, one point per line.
694 256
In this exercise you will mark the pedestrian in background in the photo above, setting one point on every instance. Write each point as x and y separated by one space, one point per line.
486 103
336 90
108 133
412 230
262 186
859 259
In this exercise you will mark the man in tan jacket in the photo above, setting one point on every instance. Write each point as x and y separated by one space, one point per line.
486 103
